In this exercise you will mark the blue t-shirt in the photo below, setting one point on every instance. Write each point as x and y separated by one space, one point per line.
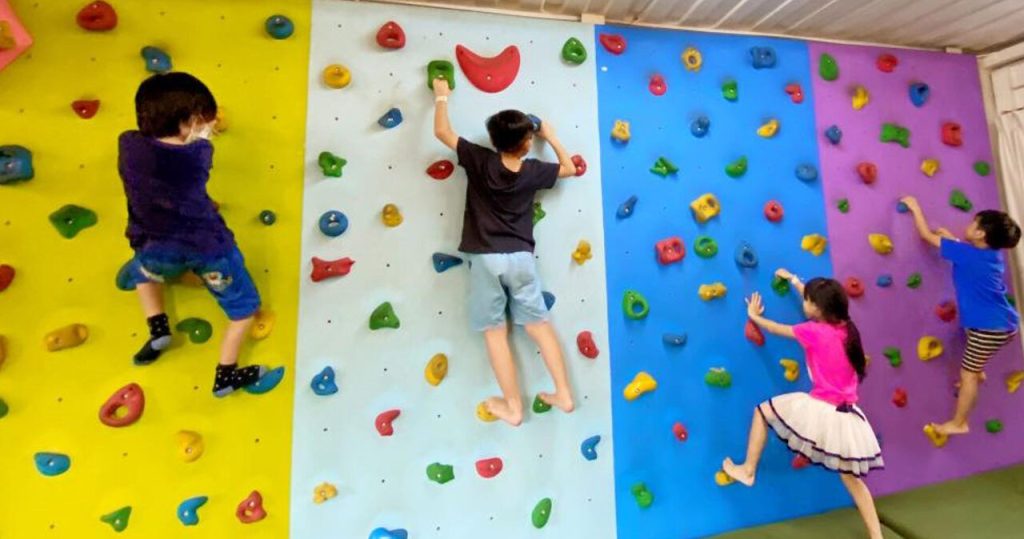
978 276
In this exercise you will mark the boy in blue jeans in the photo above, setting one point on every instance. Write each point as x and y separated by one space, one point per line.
979 279
497 234
173 225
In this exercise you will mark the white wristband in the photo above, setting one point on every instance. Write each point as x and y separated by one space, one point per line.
441 99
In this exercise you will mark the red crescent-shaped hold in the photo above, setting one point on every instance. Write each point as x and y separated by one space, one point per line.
492 74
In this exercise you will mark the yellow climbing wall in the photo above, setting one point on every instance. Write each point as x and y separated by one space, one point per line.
54 398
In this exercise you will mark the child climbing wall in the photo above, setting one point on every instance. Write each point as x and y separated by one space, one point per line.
367 467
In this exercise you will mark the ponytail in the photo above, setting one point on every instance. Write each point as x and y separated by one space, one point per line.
854 350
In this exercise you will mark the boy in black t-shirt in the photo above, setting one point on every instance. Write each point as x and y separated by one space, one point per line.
497 234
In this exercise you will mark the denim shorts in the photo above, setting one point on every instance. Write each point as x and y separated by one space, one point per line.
501 283
224 276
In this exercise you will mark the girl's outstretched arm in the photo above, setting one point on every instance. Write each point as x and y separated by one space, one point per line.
755 310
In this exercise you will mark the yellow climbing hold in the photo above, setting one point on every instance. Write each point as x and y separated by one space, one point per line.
582 252
1014 380
814 244
437 369
705 207
391 216
937 438
881 243
620 131
708 292
484 415
722 479
221 123
692 59
768 129
190 445
642 383
930 166
791 369
337 76
66 337
262 324
323 492
929 348
860 97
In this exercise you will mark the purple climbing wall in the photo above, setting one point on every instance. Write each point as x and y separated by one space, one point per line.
898 316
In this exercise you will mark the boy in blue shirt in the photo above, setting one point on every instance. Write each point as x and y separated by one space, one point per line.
986 314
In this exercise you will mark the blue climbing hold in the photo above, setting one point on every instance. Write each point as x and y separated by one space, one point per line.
673 339
884 280
834 134
267 382
919 93
390 119
384 533
15 164
333 223
700 126
535 121
762 57
626 208
589 447
279 27
323 383
902 208
746 257
188 510
807 172
549 299
444 262
157 61
51 464
127 277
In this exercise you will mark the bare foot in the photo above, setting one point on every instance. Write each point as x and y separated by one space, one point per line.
560 400
500 408
737 472
950 428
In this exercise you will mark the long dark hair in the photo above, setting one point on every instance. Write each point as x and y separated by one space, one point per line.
830 298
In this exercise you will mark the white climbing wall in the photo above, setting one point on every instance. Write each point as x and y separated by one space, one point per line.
382 481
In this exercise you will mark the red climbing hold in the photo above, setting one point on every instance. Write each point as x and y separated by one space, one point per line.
97 17
899 397
868 172
86 108
581 165
670 250
327 269
773 211
131 399
680 432
383 422
391 36
753 333
800 462
613 43
854 287
440 170
251 509
488 468
951 135
6 276
946 311
796 93
585 342
492 74
657 85
886 63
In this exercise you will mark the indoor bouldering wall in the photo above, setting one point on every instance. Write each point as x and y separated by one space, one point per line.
382 481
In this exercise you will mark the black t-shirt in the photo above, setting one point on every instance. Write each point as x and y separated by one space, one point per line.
499 202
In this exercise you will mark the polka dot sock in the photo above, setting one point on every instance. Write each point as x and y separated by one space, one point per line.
229 378
159 339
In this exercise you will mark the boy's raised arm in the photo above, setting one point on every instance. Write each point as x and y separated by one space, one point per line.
920 223
566 167
442 127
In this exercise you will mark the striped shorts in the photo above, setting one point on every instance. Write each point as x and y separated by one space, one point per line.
982 345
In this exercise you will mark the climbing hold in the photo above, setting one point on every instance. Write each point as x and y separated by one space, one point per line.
886 63
7 40
441 170
436 369
899 397
929 348
538 213
705 207
444 262
753 333
15 164
768 129
860 98
982 168
828 69
894 356
492 74
692 59
251 508
959 200
549 299
69 220
68 336
535 122
930 166
262 325
279 27
737 168
52 464
881 243
190 445
762 57
937 438
670 250
440 473
799 462
97 17
730 90
718 377
541 513
780 285
384 420
843 205
680 432
484 414
267 217
336 76
1014 380
539 406
331 164
814 244
440 69
919 93
197 329
329 269
994 426
673 339
580 164
867 171
834 134
914 280
657 85
620 131
582 252
902 208
589 447
587 346
86 108
895 133
642 383
708 292
613 43
626 208
131 399
391 119
384 533
946 311
323 383
663 167
157 61
746 257
796 93
951 134
333 223
705 246
488 468
806 172
723 479
643 496
391 216
118 519
323 492
574 52
384 317
699 126
773 211
391 36
854 287
790 369
267 382
635 305
3 408
188 510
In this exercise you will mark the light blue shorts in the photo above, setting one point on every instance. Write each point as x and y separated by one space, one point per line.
500 283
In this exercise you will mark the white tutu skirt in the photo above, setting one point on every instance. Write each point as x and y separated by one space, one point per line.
836 437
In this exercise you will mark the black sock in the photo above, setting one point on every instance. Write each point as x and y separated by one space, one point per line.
159 339
229 378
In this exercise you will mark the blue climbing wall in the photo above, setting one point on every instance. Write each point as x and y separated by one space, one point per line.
688 503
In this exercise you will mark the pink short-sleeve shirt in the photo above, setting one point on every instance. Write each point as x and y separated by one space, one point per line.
832 377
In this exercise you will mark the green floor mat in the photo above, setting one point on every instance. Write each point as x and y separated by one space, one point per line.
840 524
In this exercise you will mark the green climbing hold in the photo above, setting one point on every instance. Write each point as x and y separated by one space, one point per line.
843 205
634 304
914 280
3 408
384 317
730 90
893 355
574 52
70 220
780 285
982 168
895 133
718 377
440 473
827 67
959 200
663 167
197 329
268 217
331 164
705 246
440 69
538 213
737 168
644 497
994 426
541 513
118 519
539 406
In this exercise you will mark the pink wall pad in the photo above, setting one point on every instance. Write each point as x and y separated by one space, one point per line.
898 316
22 40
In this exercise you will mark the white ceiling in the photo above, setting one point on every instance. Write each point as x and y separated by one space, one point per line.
974 25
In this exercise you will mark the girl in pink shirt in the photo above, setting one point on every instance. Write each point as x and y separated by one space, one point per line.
824 426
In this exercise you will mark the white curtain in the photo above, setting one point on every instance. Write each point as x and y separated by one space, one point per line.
1010 138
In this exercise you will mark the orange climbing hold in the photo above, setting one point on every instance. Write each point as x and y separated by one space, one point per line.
937 438
790 369
1014 381
582 252
66 337
753 333
251 509
384 422
262 324
492 74
323 492
129 398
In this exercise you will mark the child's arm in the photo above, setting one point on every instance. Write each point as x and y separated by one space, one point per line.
755 310
442 127
793 280
566 167
920 223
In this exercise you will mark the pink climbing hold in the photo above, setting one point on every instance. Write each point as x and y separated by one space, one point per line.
580 164
585 342
657 85
488 468
251 509
329 269
384 420
753 333
680 432
492 74
613 43
796 93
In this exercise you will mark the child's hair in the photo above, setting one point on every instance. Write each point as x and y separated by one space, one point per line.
830 298
508 130
165 101
1001 231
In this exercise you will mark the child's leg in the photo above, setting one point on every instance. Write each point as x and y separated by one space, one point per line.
509 407
966 398
151 296
865 504
543 334
746 473
981 346
234 337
